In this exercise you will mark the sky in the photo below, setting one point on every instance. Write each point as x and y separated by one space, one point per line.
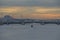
30 8
30 3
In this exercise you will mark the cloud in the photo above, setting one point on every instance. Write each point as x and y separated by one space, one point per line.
30 12
27 10
47 10
46 3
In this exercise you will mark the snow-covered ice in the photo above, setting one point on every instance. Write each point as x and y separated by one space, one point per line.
25 32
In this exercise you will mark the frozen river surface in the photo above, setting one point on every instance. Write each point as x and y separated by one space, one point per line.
25 32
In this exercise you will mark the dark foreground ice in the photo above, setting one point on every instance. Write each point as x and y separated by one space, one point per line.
25 32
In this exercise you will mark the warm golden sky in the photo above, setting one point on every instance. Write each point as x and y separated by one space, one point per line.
31 12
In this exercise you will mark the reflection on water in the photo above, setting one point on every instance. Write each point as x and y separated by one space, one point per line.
25 32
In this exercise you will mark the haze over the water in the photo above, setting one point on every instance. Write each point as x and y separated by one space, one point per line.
30 8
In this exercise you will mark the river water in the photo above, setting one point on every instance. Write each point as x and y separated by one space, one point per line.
25 32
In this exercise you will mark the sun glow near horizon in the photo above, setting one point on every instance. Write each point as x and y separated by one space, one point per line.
28 12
